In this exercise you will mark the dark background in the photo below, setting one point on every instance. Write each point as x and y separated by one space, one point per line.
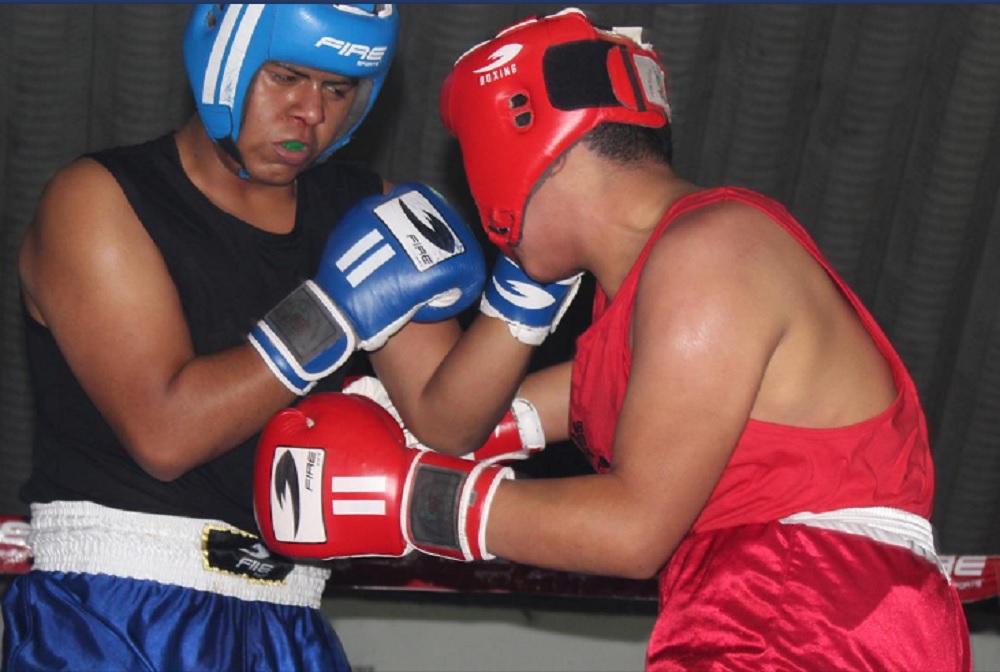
875 124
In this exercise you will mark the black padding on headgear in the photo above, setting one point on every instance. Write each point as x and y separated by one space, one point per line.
576 75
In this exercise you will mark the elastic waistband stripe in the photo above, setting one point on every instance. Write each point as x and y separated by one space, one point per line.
882 524
84 537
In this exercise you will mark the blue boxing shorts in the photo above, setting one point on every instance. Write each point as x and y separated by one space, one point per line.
119 590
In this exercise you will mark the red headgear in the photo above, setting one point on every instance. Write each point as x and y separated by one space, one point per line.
519 100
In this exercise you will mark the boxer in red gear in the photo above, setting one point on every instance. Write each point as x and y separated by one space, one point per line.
749 528
759 444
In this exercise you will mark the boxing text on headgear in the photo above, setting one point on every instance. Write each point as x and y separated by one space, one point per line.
225 46
519 100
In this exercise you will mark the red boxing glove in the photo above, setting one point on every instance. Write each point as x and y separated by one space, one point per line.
333 478
519 434
302 482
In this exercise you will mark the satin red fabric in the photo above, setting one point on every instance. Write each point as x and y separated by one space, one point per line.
790 597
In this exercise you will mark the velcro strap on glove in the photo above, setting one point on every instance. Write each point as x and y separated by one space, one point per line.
448 505
304 338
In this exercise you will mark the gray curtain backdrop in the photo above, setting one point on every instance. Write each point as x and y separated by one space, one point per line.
875 124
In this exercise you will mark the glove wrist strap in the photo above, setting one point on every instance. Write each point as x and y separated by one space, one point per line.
529 425
304 338
449 503
526 334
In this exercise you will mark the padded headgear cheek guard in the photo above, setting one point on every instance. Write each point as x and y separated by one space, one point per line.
519 100
226 45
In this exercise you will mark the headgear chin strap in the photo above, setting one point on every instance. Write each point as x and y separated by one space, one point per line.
226 45
519 100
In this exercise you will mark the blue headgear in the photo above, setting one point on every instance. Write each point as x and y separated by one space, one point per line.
225 46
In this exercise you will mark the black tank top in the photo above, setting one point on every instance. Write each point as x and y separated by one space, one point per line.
228 274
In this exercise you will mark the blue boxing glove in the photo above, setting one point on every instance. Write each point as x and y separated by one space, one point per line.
406 255
531 310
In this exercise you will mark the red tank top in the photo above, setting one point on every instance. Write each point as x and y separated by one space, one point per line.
775 470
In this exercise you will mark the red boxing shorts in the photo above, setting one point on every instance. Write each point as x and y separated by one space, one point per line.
778 596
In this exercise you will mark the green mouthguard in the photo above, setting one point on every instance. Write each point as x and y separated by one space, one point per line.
294 145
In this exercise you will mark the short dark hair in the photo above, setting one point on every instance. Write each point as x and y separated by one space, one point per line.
621 143
628 143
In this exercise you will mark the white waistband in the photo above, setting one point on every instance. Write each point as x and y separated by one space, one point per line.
883 524
93 539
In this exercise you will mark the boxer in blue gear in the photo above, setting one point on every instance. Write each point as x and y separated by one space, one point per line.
143 274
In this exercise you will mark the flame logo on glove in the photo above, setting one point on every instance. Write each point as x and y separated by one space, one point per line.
435 229
524 295
286 485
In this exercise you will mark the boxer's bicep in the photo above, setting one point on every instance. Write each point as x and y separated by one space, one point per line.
96 279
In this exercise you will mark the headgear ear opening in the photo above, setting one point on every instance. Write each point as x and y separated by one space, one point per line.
226 45
519 100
